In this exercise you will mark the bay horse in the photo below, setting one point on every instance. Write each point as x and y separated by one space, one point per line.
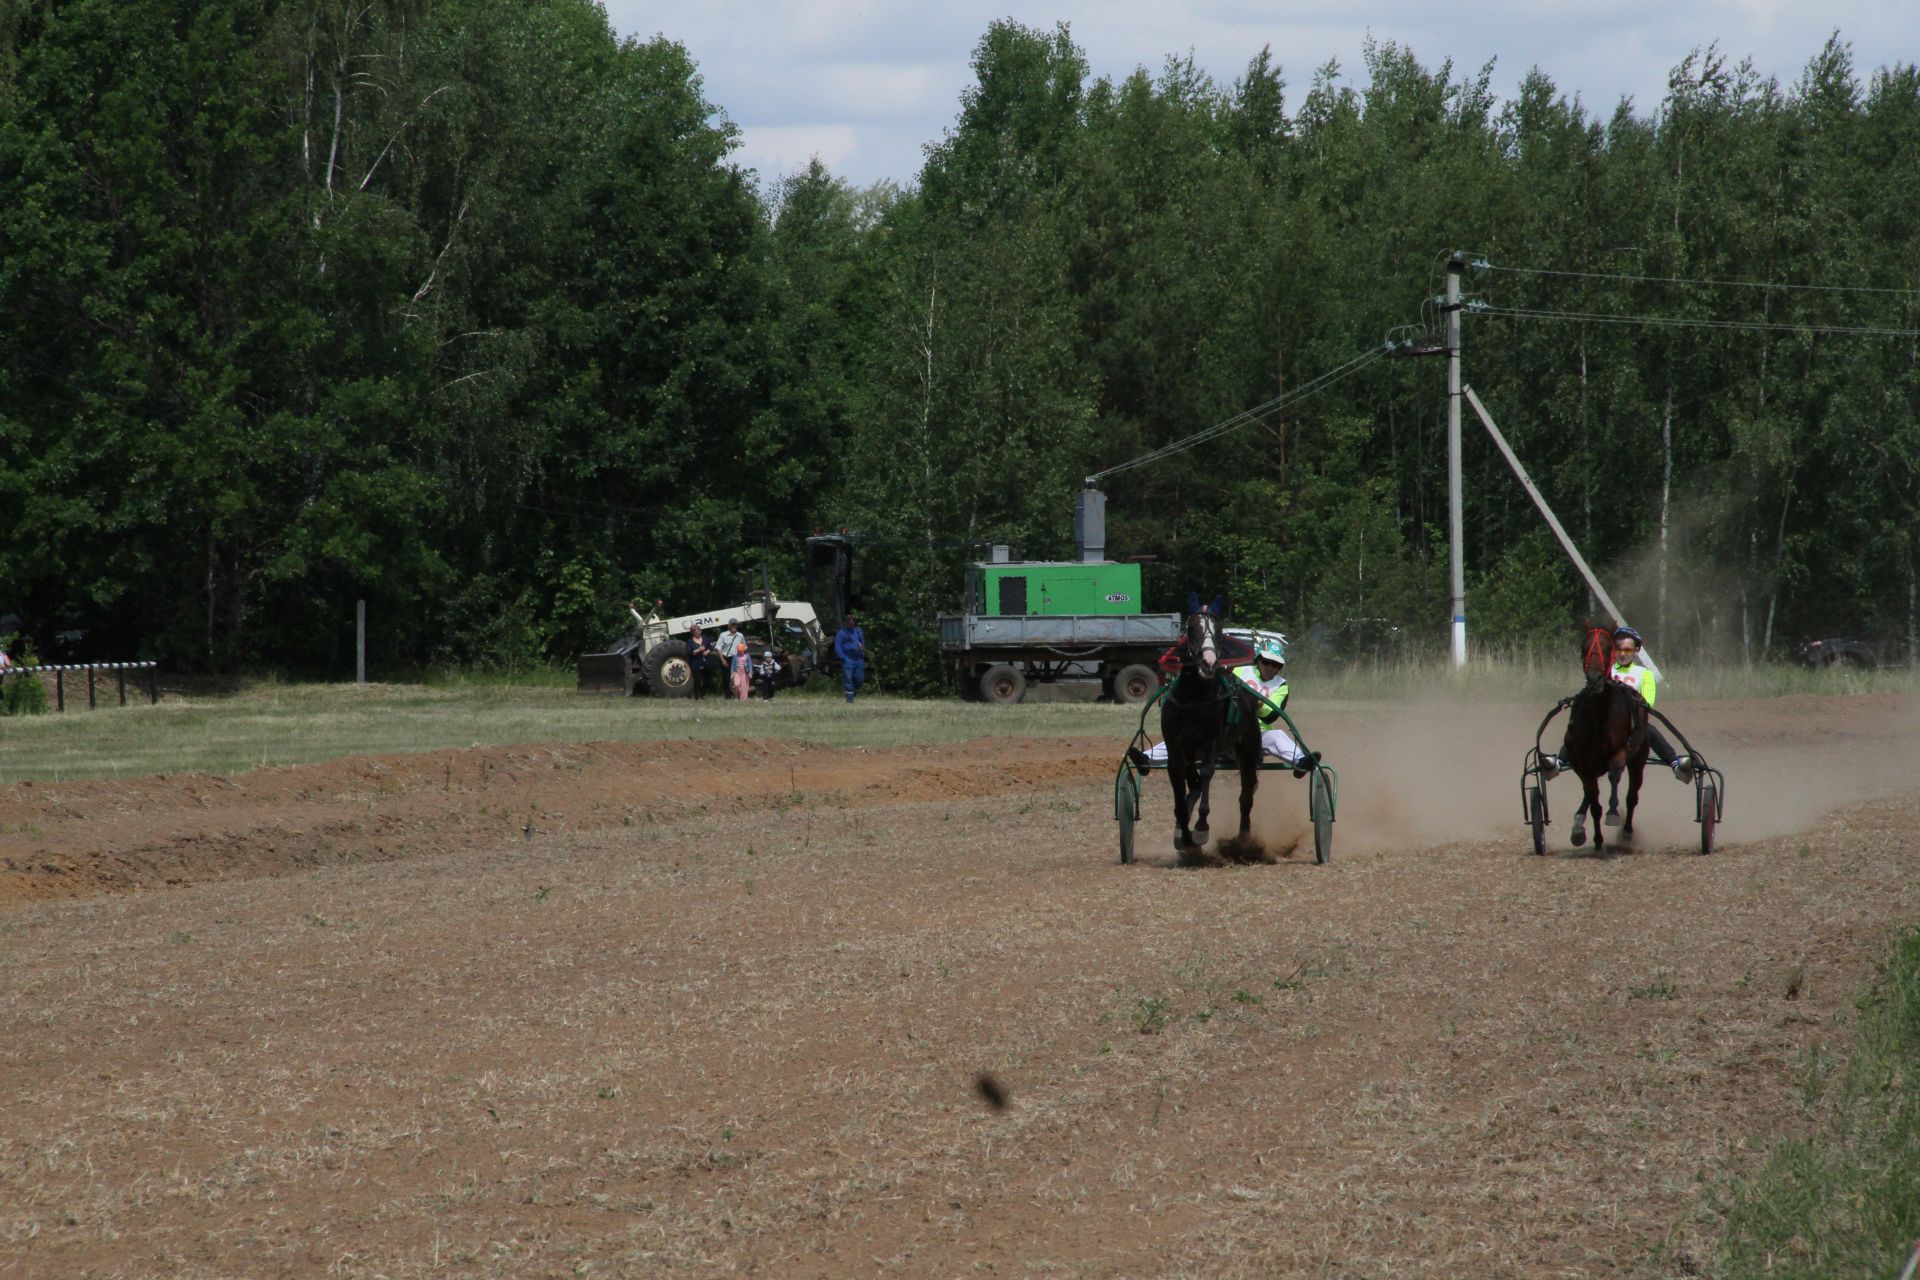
1205 717
1606 730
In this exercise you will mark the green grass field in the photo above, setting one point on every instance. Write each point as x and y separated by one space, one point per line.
270 723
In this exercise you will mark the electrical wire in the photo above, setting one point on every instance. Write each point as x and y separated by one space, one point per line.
1482 264
1246 416
1681 322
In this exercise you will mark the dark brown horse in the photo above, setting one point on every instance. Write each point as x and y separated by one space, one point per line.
1606 729
1204 718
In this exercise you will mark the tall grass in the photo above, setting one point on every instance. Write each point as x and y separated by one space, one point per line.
1846 1200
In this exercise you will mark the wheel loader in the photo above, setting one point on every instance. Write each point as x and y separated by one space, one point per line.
653 657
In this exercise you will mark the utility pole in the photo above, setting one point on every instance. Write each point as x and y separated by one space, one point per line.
1456 571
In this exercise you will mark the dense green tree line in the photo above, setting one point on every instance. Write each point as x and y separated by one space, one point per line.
460 306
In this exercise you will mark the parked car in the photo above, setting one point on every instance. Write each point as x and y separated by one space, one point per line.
1837 652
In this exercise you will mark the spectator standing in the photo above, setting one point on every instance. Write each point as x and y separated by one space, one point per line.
850 646
729 643
740 668
698 651
768 673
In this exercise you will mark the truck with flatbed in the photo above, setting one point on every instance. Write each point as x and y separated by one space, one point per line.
1050 621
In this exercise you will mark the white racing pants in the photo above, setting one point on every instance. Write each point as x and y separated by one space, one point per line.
1273 742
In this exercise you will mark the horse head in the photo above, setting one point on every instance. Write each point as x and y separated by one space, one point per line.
1597 651
1200 652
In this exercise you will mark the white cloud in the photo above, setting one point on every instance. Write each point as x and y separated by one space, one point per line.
879 91
774 151
866 84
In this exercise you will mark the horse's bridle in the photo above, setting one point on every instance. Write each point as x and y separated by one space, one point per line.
1207 660
1598 658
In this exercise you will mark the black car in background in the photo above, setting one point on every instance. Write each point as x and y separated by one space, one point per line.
1838 654
66 641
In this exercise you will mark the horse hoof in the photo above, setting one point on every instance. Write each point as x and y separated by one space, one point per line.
1613 817
1201 837
1579 836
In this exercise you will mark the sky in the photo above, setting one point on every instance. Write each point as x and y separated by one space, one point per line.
864 85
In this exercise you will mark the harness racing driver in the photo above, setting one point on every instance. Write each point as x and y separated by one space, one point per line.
1644 680
1266 677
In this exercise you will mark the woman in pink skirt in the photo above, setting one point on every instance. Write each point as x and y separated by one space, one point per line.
740 668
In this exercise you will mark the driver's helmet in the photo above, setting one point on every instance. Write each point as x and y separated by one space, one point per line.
1270 650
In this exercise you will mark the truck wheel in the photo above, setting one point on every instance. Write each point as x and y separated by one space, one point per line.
1003 685
669 674
1135 683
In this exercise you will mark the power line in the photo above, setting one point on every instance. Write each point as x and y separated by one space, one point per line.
1681 322
1483 265
1246 416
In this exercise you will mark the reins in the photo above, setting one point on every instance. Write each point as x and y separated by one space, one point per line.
1226 690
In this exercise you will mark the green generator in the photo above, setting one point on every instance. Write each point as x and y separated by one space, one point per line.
1004 588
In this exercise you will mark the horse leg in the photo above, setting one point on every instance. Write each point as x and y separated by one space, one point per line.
1634 770
1177 775
1589 803
1200 833
1249 783
1613 796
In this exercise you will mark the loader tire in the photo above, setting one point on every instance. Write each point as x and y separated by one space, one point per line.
669 674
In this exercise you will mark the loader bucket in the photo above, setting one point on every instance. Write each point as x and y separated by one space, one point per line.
605 673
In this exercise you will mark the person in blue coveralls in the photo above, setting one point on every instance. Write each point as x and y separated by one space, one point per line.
850 646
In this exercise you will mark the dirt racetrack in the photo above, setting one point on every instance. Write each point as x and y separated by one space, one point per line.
721 1008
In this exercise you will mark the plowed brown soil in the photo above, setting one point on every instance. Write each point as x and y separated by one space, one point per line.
720 1008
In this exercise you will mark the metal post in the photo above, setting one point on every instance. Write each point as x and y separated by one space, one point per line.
360 641
121 672
1456 569
1553 522
766 605
90 702
59 688
153 683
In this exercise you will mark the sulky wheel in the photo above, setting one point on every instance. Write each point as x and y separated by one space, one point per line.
1003 685
1709 815
1537 819
1134 683
669 673
1126 808
1320 805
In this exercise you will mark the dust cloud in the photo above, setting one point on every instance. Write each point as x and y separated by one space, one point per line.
1445 768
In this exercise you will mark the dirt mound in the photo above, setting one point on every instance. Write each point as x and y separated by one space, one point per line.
74 839
1410 777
